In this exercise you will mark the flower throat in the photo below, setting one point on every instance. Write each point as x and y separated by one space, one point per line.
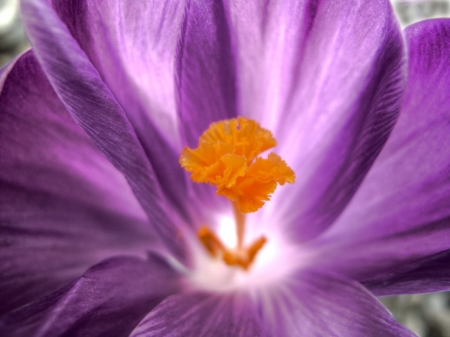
227 157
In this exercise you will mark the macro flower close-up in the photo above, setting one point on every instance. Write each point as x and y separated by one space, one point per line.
222 168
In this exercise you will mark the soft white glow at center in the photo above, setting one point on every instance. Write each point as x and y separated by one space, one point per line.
276 260
227 231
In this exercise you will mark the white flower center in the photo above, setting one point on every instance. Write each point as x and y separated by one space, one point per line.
275 260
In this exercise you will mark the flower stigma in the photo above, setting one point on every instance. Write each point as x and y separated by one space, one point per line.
227 157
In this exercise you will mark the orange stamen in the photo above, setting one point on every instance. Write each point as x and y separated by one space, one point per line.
240 225
242 256
212 244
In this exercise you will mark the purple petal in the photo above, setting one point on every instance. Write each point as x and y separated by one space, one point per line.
4 71
401 214
206 79
206 70
108 300
327 77
430 274
63 206
202 315
316 304
132 44
84 94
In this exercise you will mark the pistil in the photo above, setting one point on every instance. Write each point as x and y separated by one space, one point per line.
240 225
227 156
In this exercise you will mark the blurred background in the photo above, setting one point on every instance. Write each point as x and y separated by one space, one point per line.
12 36
427 315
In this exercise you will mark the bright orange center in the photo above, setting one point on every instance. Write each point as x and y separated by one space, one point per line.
227 157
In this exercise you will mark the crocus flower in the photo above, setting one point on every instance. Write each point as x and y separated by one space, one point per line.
99 221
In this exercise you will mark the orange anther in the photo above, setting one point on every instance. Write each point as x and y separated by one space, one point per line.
212 244
242 256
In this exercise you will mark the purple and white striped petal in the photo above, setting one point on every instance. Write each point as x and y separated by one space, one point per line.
63 206
108 300
316 304
91 103
206 81
202 315
429 274
132 44
206 69
326 77
399 221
